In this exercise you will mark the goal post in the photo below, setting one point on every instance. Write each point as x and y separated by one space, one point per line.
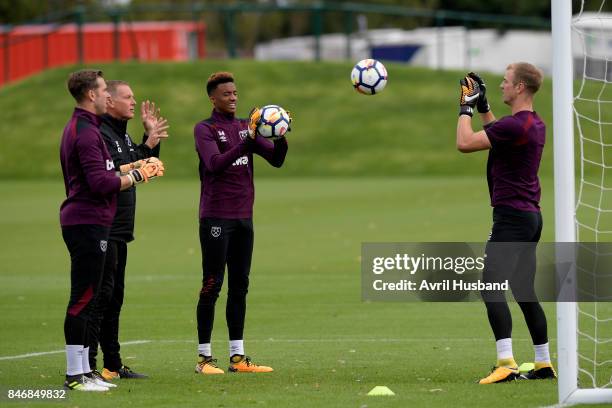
563 126
565 205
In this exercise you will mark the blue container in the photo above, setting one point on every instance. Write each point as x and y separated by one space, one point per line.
400 52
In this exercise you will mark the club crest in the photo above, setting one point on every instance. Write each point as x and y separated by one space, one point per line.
103 245
243 134
215 232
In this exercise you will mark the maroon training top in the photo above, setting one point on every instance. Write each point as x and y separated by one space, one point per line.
226 165
89 173
517 142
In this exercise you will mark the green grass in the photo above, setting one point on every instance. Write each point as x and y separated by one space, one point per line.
407 130
359 169
305 316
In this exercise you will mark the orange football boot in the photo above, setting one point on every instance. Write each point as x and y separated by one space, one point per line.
501 374
243 364
207 366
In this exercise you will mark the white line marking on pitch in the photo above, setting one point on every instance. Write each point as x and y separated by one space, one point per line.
272 340
44 353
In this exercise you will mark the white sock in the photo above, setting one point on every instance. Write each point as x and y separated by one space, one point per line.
236 347
504 349
74 359
86 368
205 349
542 355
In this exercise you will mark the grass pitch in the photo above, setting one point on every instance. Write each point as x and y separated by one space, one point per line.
408 130
305 317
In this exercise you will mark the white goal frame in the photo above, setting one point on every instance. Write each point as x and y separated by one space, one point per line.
565 221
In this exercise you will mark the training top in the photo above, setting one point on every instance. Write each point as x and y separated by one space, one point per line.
226 165
89 174
124 151
517 142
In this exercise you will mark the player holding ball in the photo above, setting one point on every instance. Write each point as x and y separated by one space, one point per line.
225 147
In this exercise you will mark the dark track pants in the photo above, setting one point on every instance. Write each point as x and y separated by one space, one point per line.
87 245
517 264
224 242
104 328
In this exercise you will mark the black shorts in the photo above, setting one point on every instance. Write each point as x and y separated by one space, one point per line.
87 246
226 242
511 253
512 225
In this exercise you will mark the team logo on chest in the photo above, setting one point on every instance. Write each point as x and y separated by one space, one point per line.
128 142
243 134
222 136
215 232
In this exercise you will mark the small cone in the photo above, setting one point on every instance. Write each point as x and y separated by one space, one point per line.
526 367
380 390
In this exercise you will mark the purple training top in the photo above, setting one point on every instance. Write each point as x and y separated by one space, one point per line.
226 165
89 173
517 142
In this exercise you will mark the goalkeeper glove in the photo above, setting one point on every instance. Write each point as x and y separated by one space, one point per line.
152 167
483 104
159 163
469 96
290 120
254 121
125 168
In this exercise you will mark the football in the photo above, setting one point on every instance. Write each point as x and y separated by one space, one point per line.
275 121
369 77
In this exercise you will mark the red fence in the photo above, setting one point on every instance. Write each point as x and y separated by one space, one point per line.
26 50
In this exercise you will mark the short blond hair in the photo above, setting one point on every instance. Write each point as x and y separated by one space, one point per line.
113 84
528 74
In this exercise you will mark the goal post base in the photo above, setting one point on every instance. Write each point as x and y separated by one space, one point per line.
589 396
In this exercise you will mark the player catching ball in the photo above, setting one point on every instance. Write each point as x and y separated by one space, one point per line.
515 145
225 147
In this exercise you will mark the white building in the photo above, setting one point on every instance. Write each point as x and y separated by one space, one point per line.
455 47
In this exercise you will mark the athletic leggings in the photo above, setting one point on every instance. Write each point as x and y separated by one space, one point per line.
104 327
224 242
87 245
515 261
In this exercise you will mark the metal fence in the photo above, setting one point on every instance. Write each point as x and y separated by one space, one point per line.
227 19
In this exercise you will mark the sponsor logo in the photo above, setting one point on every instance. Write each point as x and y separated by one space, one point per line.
215 232
243 134
128 141
103 245
241 161
110 165
118 146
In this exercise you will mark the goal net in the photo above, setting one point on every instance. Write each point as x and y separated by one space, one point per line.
582 102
